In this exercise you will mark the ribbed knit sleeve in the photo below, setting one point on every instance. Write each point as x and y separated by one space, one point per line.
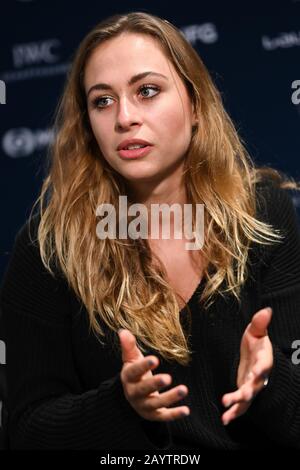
47 407
276 409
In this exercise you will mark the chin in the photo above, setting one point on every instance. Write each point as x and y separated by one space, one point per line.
140 177
137 172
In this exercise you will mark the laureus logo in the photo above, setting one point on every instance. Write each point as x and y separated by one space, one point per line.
2 92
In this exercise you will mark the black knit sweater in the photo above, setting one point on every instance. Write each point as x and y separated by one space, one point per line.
64 388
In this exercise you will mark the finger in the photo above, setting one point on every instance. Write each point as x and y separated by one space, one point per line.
243 395
147 386
247 392
130 351
235 411
166 399
169 414
260 322
134 372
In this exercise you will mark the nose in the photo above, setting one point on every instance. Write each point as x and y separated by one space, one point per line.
127 114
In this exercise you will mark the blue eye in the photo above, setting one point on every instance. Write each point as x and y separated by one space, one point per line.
149 87
96 102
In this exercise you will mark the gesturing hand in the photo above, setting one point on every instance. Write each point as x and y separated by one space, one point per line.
141 386
256 362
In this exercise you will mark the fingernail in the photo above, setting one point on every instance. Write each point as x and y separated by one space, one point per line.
225 422
269 309
228 404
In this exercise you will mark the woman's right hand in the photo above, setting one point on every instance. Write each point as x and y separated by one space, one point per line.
141 386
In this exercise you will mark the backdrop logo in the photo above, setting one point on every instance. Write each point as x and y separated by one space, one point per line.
284 40
2 92
36 59
296 93
23 142
35 53
206 32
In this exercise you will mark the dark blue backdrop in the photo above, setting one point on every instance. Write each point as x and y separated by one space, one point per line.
252 53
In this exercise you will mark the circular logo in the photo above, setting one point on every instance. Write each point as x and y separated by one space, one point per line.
18 142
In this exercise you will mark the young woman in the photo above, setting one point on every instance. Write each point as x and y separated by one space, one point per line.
125 342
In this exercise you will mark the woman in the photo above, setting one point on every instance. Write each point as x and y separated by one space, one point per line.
97 327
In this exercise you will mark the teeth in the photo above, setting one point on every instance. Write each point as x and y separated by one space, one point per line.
135 146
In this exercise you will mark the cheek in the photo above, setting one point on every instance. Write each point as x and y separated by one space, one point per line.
174 130
94 127
99 132
173 119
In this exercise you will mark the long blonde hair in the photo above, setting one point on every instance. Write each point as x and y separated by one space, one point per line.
118 282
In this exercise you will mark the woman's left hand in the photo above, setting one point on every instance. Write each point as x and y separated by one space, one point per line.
256 362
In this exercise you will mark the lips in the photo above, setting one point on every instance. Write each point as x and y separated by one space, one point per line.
129 142
135 153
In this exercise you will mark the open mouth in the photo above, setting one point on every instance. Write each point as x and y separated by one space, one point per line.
135 152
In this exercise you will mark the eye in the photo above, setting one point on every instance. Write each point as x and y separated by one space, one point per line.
149 87
97 101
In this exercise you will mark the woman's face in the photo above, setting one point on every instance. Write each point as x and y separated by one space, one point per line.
161 114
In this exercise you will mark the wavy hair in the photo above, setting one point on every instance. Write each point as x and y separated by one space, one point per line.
117 280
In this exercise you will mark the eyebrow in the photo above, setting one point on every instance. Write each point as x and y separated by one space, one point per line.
132 80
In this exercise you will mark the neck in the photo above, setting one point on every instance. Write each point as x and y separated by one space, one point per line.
168 191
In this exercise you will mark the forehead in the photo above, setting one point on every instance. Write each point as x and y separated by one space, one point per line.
124 55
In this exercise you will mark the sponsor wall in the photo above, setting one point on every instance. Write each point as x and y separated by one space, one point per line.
252 54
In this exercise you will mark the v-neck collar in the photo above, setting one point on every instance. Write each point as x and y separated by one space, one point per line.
198 289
